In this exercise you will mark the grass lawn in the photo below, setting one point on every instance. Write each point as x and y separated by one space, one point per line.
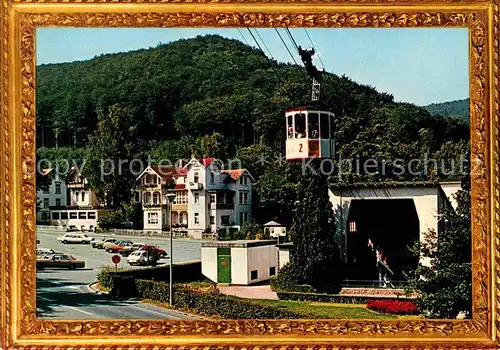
325 310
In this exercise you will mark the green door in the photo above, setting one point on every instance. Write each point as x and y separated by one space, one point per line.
223 265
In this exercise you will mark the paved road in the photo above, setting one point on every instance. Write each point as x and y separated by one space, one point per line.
65 293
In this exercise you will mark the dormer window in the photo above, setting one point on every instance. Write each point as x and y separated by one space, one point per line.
244 180
212 178
196 178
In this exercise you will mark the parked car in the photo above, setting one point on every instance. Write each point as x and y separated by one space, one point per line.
141 257
75 238
125 251
112 243
44 251
161 252
118 246
59 261
99 244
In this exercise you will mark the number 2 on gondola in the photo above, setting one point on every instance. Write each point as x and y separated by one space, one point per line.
300 147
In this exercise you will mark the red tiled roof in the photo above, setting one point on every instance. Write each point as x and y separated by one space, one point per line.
167 173
235 174
205 161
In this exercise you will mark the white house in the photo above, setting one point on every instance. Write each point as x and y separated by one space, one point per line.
55 198
239 262
217 199
155 181
83 207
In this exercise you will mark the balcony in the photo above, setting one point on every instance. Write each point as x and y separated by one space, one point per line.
76 185
194 186
150 185
220 206
151 205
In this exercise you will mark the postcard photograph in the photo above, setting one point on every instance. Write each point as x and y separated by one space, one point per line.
253 173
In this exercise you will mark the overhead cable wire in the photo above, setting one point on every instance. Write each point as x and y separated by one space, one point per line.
245 39
286 46
272 66
316 51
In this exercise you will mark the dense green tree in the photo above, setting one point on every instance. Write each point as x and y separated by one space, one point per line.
315 255
275 198
444 285
114 157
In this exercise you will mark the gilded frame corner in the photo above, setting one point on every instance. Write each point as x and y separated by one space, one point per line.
19 326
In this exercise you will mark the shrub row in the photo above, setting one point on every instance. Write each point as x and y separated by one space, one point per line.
276 286
182 272
330 298
394 307
210 302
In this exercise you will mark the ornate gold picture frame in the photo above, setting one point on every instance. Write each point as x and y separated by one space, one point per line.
19 326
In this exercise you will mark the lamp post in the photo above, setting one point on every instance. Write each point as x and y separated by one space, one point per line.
170 197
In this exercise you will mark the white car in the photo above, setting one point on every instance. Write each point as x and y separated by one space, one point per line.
44 251
75 238
138 257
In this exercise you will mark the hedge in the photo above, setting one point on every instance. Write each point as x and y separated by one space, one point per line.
296 288
183 272
332 298
210 302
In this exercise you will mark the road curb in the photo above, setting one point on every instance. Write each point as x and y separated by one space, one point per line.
93 287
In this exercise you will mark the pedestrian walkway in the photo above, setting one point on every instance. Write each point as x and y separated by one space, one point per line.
249 292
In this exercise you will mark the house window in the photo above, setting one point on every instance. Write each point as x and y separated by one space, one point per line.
156 198
212 198
241 219
196 198
82 215
152 218
352 226
91 214
64 216
83 196
196 218
243 198
245 217
212 220
73 215
224 219
45 202
58 187
254 275
55 216
58 202
45 216
183 197
212 178
244 180
146 198
272 271
137 197
196 178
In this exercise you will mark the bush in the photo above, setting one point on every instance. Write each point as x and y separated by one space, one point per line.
394 307
183 272
330 298
286 282
210 302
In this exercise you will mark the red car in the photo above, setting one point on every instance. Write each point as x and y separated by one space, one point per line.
162 253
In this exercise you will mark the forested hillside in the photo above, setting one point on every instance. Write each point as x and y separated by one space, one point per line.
458 108
211 96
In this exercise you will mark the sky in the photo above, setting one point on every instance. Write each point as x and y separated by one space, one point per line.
420 66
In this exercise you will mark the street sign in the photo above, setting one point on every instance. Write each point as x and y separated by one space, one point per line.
116 259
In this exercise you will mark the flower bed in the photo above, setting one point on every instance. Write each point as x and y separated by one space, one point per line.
393 307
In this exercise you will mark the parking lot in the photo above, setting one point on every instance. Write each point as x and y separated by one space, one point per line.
64 293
